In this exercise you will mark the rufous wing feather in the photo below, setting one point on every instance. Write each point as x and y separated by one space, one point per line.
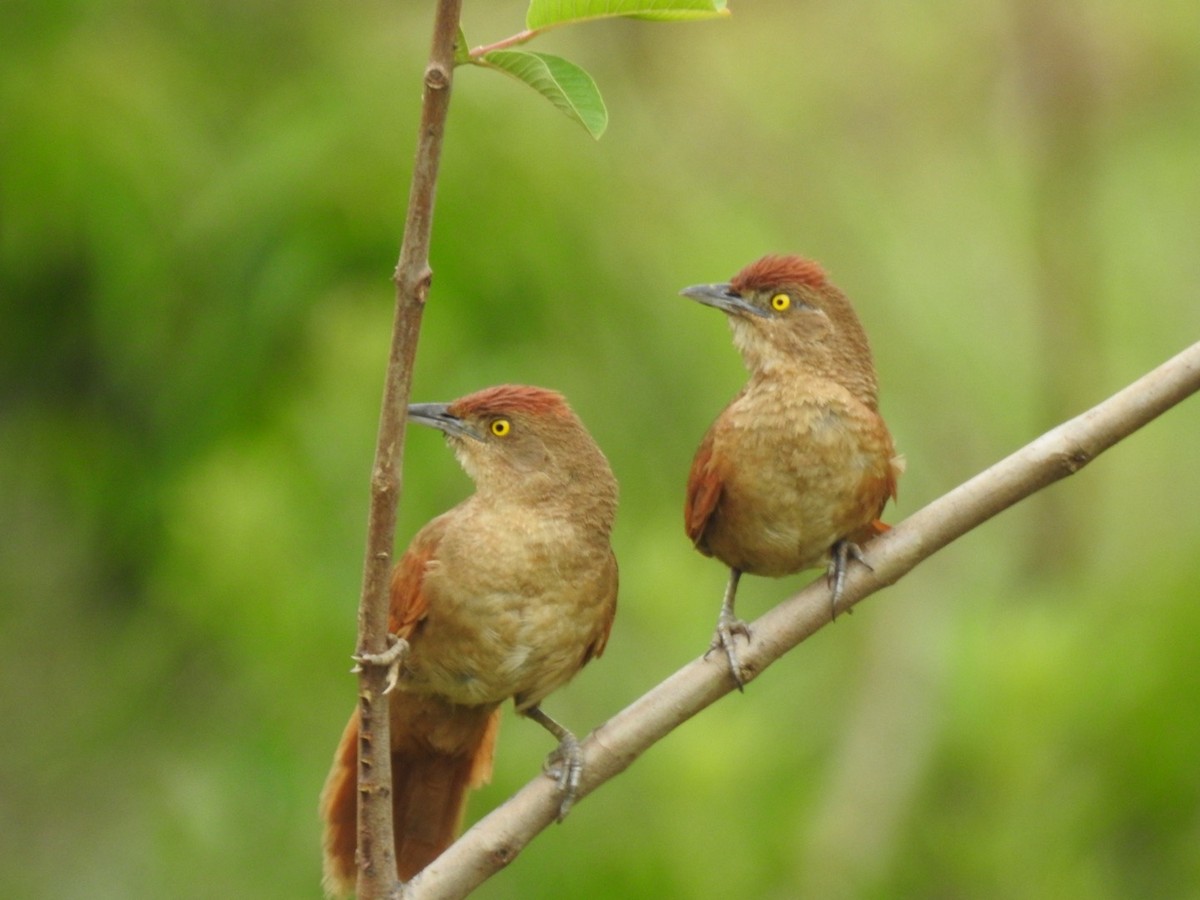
339 813
605 621
409 601
439 751
874 493
703 494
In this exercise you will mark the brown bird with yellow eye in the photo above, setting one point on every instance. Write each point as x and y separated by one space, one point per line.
797 469
508 594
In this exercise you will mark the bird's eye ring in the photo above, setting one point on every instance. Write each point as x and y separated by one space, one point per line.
780 302
500 427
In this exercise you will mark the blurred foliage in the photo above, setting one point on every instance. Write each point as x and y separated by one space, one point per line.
200 208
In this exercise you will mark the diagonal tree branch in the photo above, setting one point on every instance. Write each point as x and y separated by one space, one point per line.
499 837
376 852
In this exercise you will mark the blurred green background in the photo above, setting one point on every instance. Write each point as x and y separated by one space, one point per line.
200 209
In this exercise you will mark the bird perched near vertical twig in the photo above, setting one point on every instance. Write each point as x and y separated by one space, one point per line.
508 594
797 468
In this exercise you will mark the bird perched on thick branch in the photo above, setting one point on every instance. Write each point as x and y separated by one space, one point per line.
797 468
508 594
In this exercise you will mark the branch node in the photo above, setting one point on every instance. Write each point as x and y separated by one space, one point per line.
375 789
503 855
383 480
421 288
1075 460
437 77
418 288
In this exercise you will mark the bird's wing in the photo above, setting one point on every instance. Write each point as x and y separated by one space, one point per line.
874 493
409 600
703 493
605 620
896 467
886 487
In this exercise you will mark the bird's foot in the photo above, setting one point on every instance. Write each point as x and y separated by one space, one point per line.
392 657
565 763
729 625
565 766
840 555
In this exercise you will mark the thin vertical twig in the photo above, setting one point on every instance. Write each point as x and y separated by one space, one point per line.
412 277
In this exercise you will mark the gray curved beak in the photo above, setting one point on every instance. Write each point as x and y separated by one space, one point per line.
438 415
722 297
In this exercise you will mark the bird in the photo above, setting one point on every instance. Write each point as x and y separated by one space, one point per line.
796 470
506 595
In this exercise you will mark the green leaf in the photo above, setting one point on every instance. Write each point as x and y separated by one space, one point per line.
561 82
545 13
462 52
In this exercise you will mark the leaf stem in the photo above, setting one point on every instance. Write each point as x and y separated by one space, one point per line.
521 37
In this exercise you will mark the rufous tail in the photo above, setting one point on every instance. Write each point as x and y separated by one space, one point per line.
439 752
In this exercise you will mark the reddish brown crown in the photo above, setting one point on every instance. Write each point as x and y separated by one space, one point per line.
778 271
511 399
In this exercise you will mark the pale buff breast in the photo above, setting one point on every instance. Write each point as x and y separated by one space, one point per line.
514 619
802 475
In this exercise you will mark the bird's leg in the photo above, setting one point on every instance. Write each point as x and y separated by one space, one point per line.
728 625
392 657
840 555
565 762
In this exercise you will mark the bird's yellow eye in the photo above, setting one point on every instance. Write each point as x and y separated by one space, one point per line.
780 302
501 427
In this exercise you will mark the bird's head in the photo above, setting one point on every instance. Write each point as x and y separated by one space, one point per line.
515 438
784 311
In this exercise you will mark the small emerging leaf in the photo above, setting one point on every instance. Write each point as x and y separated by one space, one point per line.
561 82
545 13
462 53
